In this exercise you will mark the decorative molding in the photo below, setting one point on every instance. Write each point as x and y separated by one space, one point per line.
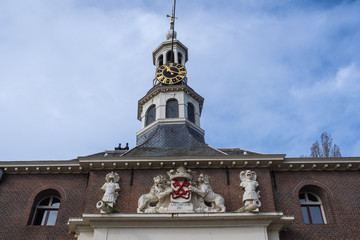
276 162
273 221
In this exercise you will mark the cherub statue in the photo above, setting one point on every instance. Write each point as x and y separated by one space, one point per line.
251 196
111 189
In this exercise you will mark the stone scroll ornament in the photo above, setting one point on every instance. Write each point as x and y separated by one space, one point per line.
111 191
180 194
251 195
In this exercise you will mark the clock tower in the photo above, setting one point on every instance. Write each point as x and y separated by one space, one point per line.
170 111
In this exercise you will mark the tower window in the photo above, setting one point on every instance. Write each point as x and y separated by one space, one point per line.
172 108
169 57
150 115
161 60
311 208
180 58
191 112
45 209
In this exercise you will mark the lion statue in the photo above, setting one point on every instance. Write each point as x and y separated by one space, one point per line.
204 189
153 201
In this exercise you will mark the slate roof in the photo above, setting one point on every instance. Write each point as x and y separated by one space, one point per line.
171 136
239 151
203 150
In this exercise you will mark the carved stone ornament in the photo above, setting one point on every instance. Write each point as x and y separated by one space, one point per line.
181 194
251 196
111 189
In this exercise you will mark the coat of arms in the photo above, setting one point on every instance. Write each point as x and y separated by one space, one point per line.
180 183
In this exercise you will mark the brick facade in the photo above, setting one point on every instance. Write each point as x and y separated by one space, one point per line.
338 190
17 193
340 194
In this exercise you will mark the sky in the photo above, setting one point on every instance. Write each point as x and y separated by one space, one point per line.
274 74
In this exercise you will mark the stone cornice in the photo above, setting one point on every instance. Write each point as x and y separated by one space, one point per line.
41 167
173 162
276 162
172 88
319 164
274 221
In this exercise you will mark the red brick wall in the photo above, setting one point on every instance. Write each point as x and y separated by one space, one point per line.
17 193
340 194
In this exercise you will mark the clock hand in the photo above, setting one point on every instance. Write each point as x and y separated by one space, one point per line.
179 73
169 69
173 72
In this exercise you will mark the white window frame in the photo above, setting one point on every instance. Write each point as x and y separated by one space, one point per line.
312 203
48 207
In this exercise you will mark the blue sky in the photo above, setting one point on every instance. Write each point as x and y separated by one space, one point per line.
274 74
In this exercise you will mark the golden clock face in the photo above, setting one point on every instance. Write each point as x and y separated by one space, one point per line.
170 73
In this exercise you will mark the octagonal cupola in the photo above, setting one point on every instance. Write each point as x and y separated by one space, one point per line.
170 112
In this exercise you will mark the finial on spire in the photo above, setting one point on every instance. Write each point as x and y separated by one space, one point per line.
172 21
172 29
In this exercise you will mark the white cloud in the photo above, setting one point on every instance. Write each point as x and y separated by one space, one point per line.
273 76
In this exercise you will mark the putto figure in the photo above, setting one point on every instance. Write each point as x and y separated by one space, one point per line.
111 189
251 196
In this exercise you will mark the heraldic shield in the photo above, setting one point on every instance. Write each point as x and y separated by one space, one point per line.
180 184
181 192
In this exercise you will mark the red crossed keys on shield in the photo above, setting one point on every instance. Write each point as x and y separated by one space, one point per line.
179 191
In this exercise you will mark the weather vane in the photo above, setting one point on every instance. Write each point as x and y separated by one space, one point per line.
172 21
172 28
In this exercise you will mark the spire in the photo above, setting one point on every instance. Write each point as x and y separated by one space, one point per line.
172 21
172 30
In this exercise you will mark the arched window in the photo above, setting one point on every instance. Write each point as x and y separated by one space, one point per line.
191 112
172 108
161 60
150 115
45 208
312 208
169 57
180 58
